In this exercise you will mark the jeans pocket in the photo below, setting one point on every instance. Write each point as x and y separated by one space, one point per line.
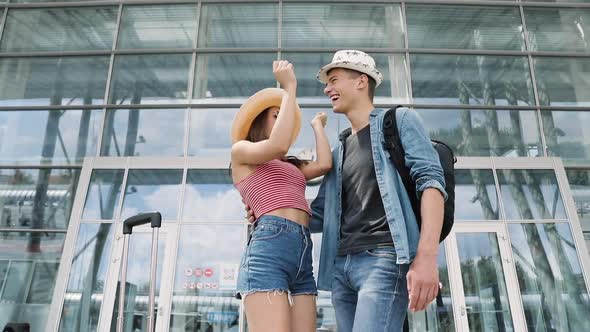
266 232
387 252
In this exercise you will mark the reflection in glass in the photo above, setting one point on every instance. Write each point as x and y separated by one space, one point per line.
552 285
205 279
28 271
454 27
206 124
495 133
161 26
393 67
151 132
211 196
138 283
86 282
557 29
484 286
73 80
438 316
563 81
150 79
579 181
566 133
37 198
59 29
238 25
103 194
58 137
233 75
476 190
471 80
530 194
342 25
152 190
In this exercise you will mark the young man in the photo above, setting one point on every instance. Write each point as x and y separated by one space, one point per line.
374 259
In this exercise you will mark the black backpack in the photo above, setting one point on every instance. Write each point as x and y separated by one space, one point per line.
447 160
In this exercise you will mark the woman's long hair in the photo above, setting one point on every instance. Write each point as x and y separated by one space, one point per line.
256 134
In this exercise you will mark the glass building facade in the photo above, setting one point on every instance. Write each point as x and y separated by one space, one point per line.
110 108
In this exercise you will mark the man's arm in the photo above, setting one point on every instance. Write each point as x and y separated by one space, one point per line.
426 171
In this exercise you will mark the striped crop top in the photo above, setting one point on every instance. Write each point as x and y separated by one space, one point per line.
273 185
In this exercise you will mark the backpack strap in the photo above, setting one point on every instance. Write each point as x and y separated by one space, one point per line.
393 145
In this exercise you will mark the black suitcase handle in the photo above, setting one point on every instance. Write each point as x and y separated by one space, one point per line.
153 218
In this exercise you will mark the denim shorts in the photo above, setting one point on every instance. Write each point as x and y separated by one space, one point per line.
278 258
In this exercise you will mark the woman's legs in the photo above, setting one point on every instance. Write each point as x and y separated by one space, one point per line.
268 312
303 313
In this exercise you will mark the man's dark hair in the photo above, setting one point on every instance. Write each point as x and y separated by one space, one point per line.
355 74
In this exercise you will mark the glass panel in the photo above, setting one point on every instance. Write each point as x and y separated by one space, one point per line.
152 190
471 79
137 286
233 75
530 194
169 26
580 186
85 289
438 316
211 196
238 25
150 79
48 137
552 287
37 198
342 25
484 285
207 124
567 135
103 194
304 146
563 81
28 269
72 80
325 316
485 132
557 29
59 29
152 132
435 26
206 275
393 67
44 273
476 187
563 1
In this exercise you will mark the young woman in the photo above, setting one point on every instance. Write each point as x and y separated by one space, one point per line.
275 277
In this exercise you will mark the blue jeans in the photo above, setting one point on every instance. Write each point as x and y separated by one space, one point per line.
369 292
278 258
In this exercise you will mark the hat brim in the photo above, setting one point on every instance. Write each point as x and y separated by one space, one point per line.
256 104
373 73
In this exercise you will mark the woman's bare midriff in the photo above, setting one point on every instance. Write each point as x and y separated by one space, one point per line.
299 216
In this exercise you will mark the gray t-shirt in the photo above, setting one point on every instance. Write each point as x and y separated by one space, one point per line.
364 225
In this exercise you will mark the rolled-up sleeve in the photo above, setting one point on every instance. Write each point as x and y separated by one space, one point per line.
420 156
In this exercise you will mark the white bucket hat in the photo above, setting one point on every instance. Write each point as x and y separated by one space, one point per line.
351 59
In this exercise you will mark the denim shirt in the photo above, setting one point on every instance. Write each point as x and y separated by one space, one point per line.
425 169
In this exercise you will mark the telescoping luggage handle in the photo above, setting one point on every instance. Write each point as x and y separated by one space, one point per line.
155 221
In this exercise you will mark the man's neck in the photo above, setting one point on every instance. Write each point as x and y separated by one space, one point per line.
359 116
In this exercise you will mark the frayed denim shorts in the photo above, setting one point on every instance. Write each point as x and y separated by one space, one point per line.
278 258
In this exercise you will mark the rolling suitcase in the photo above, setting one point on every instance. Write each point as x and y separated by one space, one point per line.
155 221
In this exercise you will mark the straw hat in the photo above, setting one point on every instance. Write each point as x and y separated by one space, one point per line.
255 105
